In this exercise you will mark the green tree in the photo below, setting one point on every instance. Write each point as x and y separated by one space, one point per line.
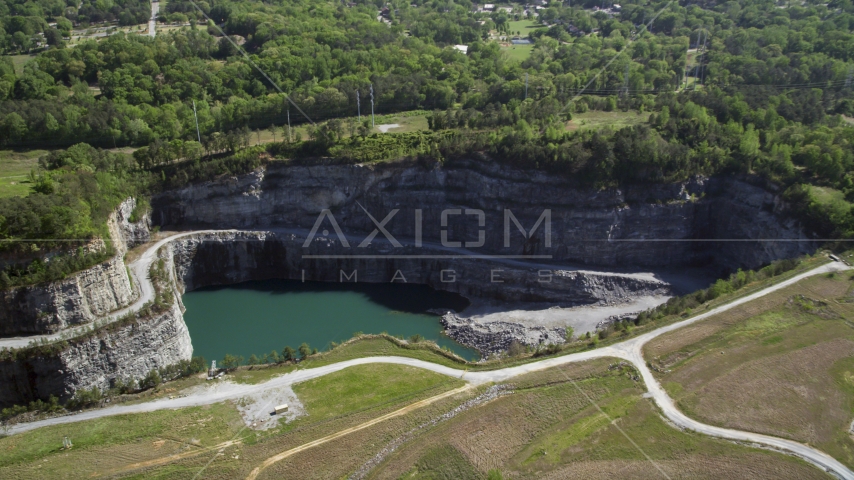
304 351
289 354
230 362
151 380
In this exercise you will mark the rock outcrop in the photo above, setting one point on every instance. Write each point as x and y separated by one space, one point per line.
238 256
119 352
80 298
132 233
129 351
652 225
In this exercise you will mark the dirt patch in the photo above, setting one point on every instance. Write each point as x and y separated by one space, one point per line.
790 395
258 410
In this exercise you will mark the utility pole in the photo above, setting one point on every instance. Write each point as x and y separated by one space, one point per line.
372 105
850 80
198 134
526 85
358 107
289 125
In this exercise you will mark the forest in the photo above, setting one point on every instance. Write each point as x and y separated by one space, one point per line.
753 88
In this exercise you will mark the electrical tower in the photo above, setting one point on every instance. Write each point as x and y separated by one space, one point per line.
372 105
197 122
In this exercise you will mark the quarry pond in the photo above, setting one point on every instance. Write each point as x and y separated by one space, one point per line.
260 316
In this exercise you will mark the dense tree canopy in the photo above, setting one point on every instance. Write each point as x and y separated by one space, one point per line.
737 88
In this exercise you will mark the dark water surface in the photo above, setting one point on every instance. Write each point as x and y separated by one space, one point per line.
260 316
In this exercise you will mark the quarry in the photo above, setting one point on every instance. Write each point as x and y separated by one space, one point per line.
599 256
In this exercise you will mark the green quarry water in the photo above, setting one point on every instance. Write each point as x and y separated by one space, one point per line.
260 316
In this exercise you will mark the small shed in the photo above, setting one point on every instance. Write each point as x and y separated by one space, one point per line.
281 409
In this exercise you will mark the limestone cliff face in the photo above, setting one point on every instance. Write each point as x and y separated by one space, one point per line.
132 233
232 257
593 227
118 352
80 298
99 359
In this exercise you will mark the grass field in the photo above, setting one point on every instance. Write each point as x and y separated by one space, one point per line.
129 442
598 119
522 26
103 445
19 60
549 429
365 386
518 52
15 168
781 365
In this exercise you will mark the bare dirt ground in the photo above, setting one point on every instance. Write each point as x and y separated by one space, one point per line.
258 409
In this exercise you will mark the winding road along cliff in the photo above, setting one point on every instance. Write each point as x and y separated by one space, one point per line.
629 350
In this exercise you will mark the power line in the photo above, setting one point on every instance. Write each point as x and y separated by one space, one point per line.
249 59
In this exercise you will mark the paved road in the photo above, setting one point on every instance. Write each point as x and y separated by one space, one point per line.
152 22
630 350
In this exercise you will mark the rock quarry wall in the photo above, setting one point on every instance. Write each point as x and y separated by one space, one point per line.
233 257
118 352
82 297
593 227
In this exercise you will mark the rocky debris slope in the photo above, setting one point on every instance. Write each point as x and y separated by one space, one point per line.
608 227
83 296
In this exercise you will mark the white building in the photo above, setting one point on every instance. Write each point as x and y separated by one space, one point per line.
462 48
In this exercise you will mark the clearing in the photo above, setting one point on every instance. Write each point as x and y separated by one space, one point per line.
19 60
594 119
15 167
518 52
781 365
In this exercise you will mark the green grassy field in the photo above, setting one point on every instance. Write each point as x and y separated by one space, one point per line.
15 168
120 442
19 61
518 52
549 429
366 386
522 26
109 442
